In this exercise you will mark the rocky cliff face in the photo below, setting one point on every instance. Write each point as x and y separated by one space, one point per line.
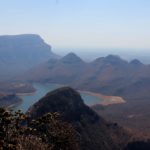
18 53
94 132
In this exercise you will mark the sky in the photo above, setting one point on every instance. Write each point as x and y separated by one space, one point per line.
80 23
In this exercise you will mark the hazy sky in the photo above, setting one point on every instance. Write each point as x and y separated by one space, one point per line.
80 23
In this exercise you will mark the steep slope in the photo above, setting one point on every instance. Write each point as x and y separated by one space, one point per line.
94 132
18 53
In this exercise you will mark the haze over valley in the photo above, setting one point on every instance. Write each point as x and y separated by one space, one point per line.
109 85
75 75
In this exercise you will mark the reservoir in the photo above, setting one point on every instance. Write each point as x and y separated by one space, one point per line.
42 90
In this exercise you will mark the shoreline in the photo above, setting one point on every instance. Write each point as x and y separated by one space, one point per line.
14 105
106 100
26 94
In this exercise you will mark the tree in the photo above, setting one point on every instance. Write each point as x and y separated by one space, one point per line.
19 132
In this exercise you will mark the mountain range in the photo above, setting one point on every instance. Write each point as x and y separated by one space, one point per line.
108 75
28 58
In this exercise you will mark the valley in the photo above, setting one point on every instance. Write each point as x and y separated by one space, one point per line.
28 99
110 86
110 75
75 75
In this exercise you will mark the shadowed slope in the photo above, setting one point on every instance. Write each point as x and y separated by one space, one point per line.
95 133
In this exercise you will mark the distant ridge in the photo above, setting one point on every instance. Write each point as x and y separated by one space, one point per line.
108 75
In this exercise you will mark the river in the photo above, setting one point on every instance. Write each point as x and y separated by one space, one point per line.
42 89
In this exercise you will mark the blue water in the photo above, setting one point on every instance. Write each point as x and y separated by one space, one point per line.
42 89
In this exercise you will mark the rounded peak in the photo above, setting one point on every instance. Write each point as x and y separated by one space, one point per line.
68 90
113 57
64 100
72 54
135 62
71 58
67 95
108 58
